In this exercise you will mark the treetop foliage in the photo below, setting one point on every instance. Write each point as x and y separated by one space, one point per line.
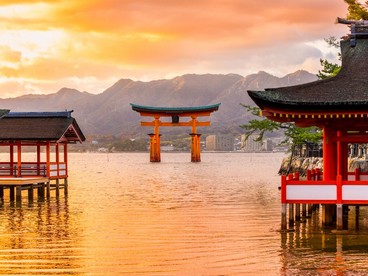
357 10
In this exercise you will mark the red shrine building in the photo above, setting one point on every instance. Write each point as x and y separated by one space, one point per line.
34 150
339 107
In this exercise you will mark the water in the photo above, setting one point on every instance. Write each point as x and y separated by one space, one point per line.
125 215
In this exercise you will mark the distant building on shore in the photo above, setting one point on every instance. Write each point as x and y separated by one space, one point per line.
252 145
220 142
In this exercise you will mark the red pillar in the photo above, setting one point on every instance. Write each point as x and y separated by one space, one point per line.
196 147
57 159
329 154
19 159
48 159
11 149
155 153
38 160
66 158
329 170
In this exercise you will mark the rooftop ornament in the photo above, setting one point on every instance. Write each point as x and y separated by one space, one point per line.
358 28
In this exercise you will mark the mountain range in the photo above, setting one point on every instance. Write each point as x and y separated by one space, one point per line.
110 113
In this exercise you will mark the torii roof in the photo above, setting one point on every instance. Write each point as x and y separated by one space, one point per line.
347 91
175 110
40 126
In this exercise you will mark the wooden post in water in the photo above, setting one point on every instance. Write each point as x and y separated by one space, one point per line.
11 193
309 210
297 212
65 186
283 203
339 219
41 191
328 214
291 215
18 194
30 193
304 210
48 189
57 186
357 211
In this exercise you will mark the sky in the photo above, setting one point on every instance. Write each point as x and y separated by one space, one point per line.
90 44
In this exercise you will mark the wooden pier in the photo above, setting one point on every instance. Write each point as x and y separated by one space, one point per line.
43 186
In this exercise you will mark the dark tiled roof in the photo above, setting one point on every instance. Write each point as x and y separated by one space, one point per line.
346 91
39 127
175 110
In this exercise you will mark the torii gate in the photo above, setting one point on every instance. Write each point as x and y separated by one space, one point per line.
175 113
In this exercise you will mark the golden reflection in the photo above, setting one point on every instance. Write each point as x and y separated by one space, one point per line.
39 238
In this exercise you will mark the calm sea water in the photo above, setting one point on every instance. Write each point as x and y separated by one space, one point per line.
125 215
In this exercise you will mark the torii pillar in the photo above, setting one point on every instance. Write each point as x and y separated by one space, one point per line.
175 113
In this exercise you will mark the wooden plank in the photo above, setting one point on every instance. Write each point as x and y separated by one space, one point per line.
16 181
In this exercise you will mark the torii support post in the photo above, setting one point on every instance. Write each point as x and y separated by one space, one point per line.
196 147
155 152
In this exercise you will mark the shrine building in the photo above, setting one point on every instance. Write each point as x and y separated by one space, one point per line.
34 151
339 107
176 114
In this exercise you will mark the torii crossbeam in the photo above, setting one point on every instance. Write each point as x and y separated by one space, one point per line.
175 113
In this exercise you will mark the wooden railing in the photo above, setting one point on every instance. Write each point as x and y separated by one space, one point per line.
58 170
28 169
317 191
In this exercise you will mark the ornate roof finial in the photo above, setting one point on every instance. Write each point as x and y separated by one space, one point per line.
358 29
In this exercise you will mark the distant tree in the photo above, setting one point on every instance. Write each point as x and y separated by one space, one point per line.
293 135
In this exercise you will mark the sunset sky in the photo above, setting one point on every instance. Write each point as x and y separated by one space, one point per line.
90 44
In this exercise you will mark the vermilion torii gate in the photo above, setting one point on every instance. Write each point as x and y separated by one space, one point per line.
175 113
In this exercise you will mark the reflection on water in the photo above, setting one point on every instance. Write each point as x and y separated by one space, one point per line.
311 250
38 239
125 215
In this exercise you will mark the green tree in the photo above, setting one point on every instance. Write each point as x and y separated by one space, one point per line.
293 135
329 69
357 10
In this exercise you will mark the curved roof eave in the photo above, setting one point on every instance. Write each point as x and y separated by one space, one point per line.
175 110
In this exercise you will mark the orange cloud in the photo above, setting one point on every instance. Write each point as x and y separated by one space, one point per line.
56 41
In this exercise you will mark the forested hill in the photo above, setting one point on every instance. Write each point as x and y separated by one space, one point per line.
110 112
